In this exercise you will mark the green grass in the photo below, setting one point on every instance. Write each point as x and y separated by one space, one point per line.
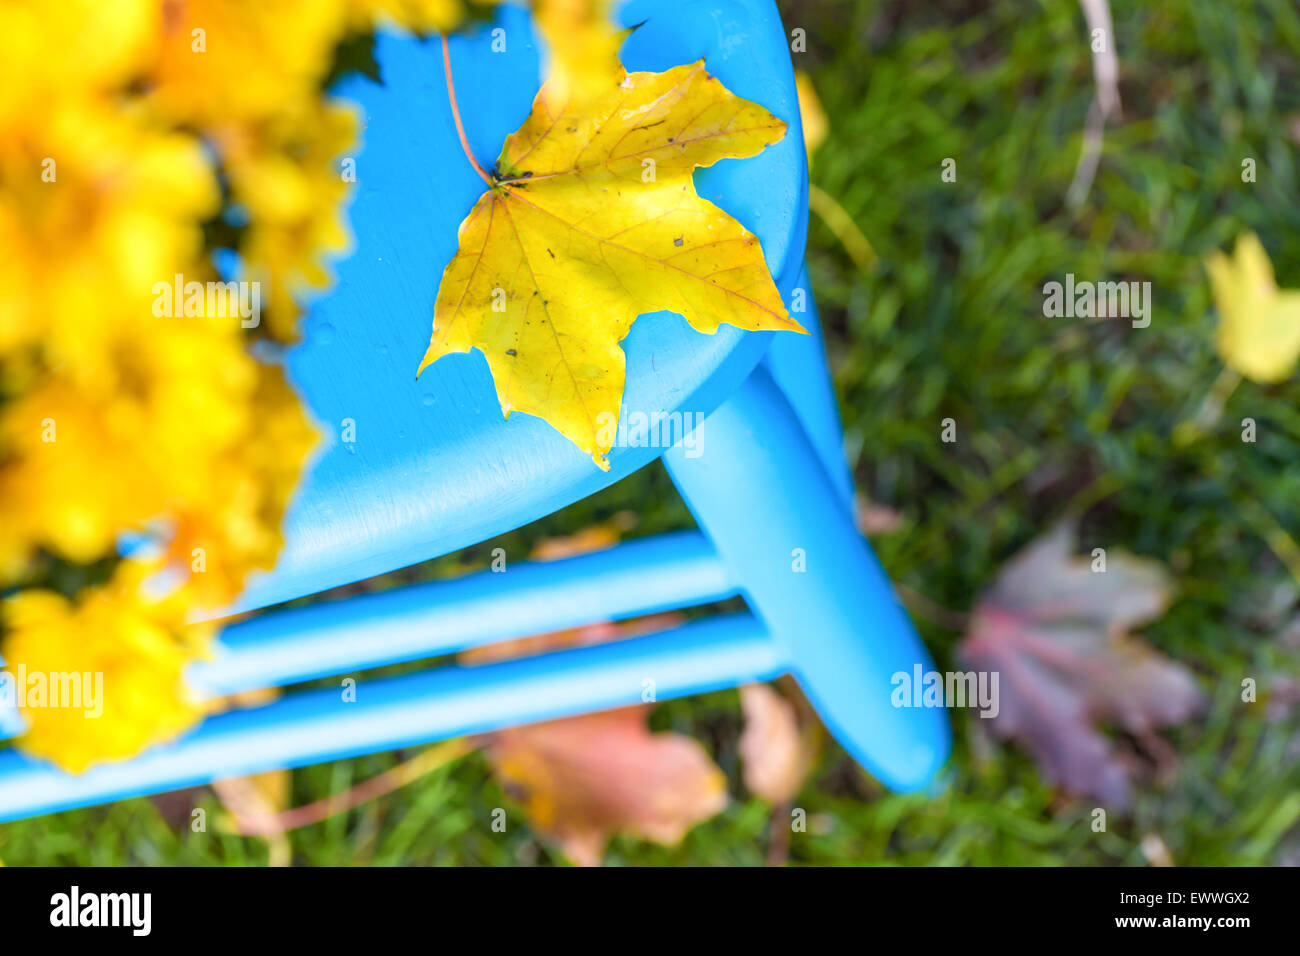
950 324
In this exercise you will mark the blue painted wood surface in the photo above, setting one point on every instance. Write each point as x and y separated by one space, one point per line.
434 466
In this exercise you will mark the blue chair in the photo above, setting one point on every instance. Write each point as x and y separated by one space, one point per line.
434 468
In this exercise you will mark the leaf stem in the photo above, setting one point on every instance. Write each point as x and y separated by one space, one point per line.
1189 430
842 226
1275 536
455 113
256 821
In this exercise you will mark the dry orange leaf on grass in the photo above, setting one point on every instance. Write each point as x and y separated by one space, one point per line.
590 219
776 747
584 778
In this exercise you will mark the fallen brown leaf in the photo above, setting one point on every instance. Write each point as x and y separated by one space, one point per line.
596 537
583 779
872 518
775 749
1055 632
254 803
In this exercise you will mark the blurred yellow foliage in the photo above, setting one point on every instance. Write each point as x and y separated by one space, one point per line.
138 645
120 122
583 47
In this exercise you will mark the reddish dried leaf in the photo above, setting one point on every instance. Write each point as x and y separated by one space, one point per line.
873 518
1054 631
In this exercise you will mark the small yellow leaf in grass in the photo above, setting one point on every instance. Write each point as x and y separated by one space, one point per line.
816 125
592 219
1259 324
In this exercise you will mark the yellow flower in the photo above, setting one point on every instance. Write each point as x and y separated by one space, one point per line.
146 407
203 438
288 174
117 208
234 527
114 418
224 61
1259 324
55 52
425 16
132 647
583 46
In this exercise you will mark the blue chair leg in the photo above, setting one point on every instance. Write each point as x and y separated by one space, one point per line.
760 490
798 364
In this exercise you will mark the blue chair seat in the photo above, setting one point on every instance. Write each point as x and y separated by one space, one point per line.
434 467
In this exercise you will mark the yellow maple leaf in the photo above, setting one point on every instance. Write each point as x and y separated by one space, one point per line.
1259 324
591 218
